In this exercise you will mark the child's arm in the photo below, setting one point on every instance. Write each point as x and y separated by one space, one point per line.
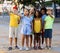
51 16
32 26
7 10
12 12
19 20
41 25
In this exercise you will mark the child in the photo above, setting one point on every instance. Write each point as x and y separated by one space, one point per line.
13 27
37 27
43 12
48 28
31 13
26 29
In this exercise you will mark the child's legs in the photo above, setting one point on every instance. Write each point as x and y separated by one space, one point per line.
50 36
16 36
50 41
46 41
46 37
23 32
10 41
29 34
30 40
42 36
11 31
23 40
39 40
35 39
27 40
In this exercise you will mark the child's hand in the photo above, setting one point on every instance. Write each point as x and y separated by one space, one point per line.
5 8
18 21
41 31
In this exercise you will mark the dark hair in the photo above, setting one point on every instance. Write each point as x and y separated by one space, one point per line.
39 14
44 9
26 9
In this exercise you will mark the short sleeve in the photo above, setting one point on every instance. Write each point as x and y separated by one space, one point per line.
45 18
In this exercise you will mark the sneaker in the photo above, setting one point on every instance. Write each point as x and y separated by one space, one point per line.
26 48
10 48
22 48
16 47
46 47
35 48
39 48
50 47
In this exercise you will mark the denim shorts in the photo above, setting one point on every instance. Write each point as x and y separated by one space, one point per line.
48 33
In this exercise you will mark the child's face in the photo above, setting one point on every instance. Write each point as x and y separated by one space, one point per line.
37 14
15 11
43 12
26 12
32 10
49 12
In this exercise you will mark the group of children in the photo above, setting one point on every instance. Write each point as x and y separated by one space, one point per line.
38 23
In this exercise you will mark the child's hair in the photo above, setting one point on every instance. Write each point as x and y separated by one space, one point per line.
33 9
39 14
26 9
44 9
25 12
48 10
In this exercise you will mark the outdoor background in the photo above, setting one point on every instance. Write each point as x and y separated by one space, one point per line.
4 25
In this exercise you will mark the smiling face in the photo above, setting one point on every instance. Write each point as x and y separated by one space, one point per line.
26 12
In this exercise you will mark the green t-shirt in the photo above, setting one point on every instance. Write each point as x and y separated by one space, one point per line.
48 22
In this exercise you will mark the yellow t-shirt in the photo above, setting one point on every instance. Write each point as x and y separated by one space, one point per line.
14 20
37 25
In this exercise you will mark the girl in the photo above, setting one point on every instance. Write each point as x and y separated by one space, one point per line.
26 29
31 13
37 26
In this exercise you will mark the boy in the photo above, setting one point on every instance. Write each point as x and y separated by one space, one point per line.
43 12
48 28
13 27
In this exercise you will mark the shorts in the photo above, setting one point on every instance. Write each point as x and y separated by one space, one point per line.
13 32
48 33
26 30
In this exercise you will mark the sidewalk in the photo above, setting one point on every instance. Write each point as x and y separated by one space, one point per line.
4 41
57 20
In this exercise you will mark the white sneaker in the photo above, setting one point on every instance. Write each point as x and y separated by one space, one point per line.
26 48
22 48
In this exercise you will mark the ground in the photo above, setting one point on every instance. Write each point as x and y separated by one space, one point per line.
4 39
